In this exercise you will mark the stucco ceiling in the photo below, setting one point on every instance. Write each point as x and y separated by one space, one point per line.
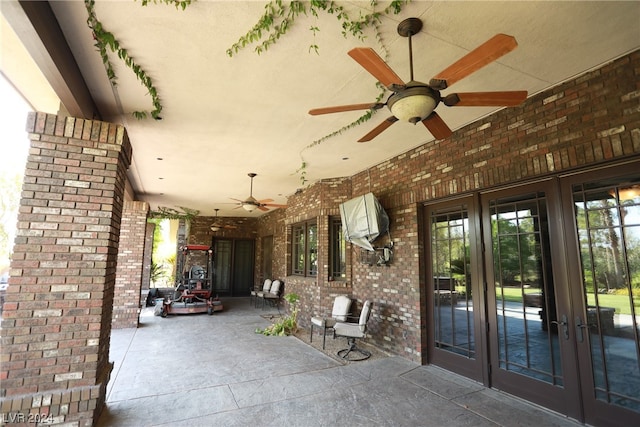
224 117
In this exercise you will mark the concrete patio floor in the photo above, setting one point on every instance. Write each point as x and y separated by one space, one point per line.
200 370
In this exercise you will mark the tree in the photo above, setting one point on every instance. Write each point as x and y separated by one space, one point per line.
10 188
515 249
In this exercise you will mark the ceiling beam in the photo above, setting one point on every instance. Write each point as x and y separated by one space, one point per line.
39 31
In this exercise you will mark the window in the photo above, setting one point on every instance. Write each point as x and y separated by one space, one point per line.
337 252
297 251
304 251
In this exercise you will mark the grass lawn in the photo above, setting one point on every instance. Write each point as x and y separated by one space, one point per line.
619 302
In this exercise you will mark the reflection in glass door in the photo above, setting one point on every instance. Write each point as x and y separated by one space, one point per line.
538 288
453 343
531 354
524 289
608 224
453 311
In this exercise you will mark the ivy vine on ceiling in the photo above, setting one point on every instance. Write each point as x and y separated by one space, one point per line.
278 18
163 212
106 40
275 22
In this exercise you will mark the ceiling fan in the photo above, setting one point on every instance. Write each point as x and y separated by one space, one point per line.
415 101
250 203
217 226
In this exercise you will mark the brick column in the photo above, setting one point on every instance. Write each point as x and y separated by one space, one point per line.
57 315
131 250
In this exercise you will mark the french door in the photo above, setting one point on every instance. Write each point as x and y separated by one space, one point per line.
455 293
527 297
535 290
604 245
233 266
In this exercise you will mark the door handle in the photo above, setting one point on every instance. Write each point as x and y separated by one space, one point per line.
579 327
564 324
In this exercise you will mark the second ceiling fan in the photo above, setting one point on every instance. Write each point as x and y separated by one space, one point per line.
416 101
218 225
250 203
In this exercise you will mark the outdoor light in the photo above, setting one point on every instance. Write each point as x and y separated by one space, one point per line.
250 203
414 104
215 226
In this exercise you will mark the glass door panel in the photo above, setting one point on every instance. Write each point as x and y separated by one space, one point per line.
243 266
452 297
608 226
453 303
222 266
531 350
528 341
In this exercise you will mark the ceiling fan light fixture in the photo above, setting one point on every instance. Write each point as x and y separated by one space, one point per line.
215 227
413 104
250 204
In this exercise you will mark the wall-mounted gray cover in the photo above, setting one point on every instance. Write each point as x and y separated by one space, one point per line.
363 220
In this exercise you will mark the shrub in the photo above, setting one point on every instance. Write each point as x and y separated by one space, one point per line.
286 325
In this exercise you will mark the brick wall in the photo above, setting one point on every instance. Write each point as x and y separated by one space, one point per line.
318 202
272 224
238 228
130 269
591 120
57 315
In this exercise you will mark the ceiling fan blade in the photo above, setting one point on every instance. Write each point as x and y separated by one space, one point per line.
437 126
262 208
341 108
263 201
378 129
375 65
237 200
272 205
489 51
481 99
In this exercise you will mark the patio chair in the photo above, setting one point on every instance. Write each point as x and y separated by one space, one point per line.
273 296
254 292
354 331
339 313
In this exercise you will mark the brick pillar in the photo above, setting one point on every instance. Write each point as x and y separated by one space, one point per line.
57 315
126 298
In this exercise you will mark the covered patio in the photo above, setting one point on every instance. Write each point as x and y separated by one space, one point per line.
196 370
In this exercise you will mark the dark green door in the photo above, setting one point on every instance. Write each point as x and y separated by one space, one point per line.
233 266
243 268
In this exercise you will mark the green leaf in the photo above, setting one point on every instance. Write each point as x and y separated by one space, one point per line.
104 38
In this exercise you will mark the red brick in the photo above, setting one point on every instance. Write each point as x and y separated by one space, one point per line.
48 253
